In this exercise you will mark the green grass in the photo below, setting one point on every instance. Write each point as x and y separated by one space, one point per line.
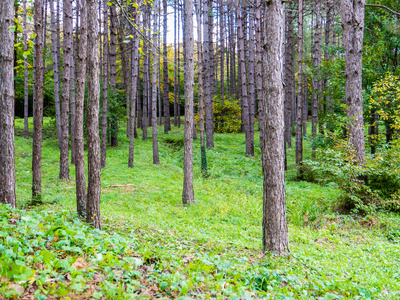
212 249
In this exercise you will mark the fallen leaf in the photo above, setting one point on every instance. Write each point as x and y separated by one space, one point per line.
80 263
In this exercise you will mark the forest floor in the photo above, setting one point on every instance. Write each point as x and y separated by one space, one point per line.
152 246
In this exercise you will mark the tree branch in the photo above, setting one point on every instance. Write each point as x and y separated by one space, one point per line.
384 7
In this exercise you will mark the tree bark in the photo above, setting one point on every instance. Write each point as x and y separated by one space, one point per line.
80 179
134 92
167 118
38 111
175 67
65 96
93 139
156 158
188 193
56 70
72 87
26 84
275 231
289 76
222 43
299 113
7 156
105 87
251 78
353 35
113 71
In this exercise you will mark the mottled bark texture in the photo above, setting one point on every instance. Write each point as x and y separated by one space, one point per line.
56 70
299 112
134 90
113 70
38 106
275 231
188 193
289 76
167 118
93 139
156 157
68 39
79 113
7 156
105 76
26 86
353 34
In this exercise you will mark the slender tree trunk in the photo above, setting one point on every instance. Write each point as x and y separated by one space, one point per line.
175 68
156 158
79 112
208 102
259 72
72 87
299 114
58 10
65 96
146 83
222 33
353 35
56 70
26 84
305 105
188 193
275 231
179 72
133 93
7 158
167 119
232 53
113 71
93 139
251 78
38 112
289 77
105 87
328 98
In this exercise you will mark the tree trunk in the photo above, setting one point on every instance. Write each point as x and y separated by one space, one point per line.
289 76
38 111
26 84
353 35
243 74
80 179
134 88
259 71
188 193
222 33
251 78
105 87
305 105
275 231
208 101
175 68
7 158
93 139
156 158
167 119
299 114
72 87
56 70
68 38
146 83
113 71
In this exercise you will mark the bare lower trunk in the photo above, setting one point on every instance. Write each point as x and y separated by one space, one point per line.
7 158
26 86
56 70
65 96
93 139
275 231
105 88
113 71
289 77
299 113
156 158
167 119
38 111
305 105
353 35
188 193
80 179
251 78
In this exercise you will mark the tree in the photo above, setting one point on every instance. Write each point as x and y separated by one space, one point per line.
56 70
7 159
65 96
38 105
26 87
188 193
299 112
275 232
113 70
156 158
93 139
79 112
105 77
353 35
167 119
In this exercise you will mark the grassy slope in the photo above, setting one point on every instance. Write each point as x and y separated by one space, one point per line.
212 249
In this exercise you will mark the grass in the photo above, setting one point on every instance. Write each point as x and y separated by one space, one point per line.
212 249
